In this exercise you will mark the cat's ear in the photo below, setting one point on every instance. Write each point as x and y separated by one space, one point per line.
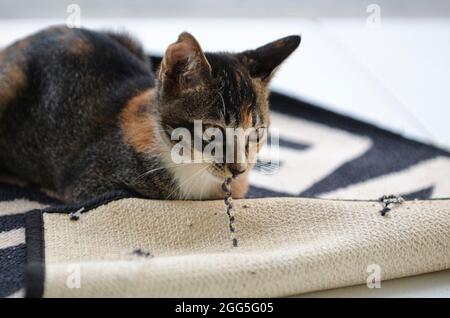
184 64
263 61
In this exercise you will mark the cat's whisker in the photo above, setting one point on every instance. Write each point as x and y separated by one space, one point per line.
187 195
202 190
192 181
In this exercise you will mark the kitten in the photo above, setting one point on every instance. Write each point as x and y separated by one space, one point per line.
82 113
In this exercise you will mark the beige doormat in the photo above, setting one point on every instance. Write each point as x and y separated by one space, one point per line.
287 246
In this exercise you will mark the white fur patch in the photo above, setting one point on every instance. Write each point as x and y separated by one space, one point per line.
194 180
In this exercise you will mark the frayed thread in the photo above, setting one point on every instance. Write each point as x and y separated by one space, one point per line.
226 187
75 216
388 201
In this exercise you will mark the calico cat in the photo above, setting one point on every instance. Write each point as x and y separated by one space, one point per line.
82 113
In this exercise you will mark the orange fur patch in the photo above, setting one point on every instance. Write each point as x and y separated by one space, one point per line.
246 118
138 126
12 80
23 44
12 74
80 46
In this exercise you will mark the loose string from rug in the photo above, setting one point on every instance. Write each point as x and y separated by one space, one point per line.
226 187
388 201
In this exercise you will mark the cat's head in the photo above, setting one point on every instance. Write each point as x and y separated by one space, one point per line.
223 90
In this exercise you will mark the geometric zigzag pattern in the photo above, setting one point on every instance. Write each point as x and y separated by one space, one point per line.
324 154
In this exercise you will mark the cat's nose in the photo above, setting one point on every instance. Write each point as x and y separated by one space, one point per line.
236 169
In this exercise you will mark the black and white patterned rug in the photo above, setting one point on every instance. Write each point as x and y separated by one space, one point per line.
321 154
328 155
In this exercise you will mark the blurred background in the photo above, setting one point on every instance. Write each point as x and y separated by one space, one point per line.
384 62
31 9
